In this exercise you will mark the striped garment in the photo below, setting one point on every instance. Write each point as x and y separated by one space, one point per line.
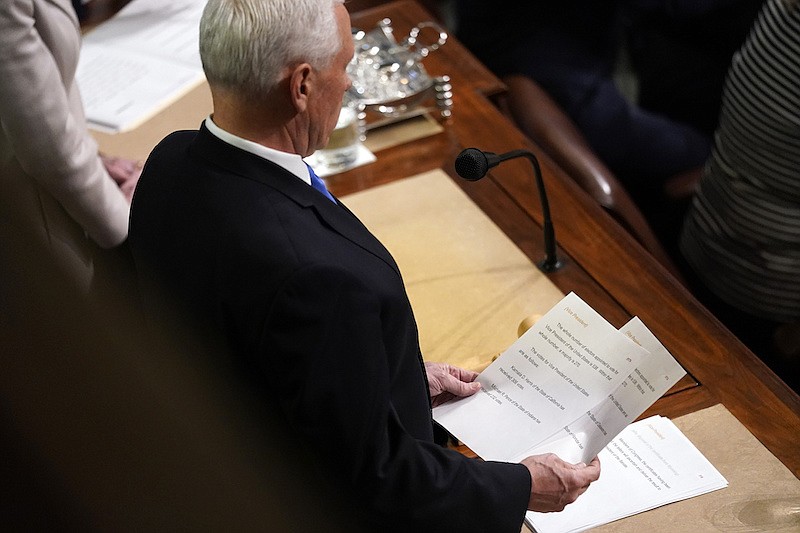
742 234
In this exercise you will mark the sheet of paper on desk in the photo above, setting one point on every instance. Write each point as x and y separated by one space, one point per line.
139 61
649 464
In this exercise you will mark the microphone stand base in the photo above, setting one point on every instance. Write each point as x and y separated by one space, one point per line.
549 265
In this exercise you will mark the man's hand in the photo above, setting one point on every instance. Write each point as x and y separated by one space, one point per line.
124 172
555 483
446 382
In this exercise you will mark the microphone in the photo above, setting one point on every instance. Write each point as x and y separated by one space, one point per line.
472 164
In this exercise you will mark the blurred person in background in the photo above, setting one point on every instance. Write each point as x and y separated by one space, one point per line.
76 201
572 50
741 237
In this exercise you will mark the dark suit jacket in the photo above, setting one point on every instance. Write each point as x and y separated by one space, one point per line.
315 310
570 48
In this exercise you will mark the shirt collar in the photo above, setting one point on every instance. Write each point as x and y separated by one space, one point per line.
291 162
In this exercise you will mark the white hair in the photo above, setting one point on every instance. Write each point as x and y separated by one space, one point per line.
246 44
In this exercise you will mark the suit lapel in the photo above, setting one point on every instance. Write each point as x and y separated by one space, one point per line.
233 160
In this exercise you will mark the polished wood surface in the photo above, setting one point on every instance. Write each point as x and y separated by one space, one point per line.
604 264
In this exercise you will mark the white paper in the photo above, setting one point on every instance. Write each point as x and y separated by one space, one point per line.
649 464
139 61
572 385
652 377
567 364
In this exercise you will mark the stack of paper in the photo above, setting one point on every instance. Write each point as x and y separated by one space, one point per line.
572 385
650 464
139 61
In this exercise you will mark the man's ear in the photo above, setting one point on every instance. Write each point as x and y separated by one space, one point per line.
300 84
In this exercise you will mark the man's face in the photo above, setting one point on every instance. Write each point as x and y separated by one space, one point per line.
334 81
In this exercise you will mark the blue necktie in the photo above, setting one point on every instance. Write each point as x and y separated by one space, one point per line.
318 184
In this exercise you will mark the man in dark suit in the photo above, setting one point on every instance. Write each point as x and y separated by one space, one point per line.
312 307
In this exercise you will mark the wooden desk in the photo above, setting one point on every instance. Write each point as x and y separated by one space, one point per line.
604 265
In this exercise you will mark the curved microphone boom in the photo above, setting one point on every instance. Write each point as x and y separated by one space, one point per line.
472 164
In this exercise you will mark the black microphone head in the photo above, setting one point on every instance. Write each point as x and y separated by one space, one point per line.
472 164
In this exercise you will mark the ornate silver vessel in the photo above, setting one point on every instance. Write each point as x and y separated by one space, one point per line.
389 81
